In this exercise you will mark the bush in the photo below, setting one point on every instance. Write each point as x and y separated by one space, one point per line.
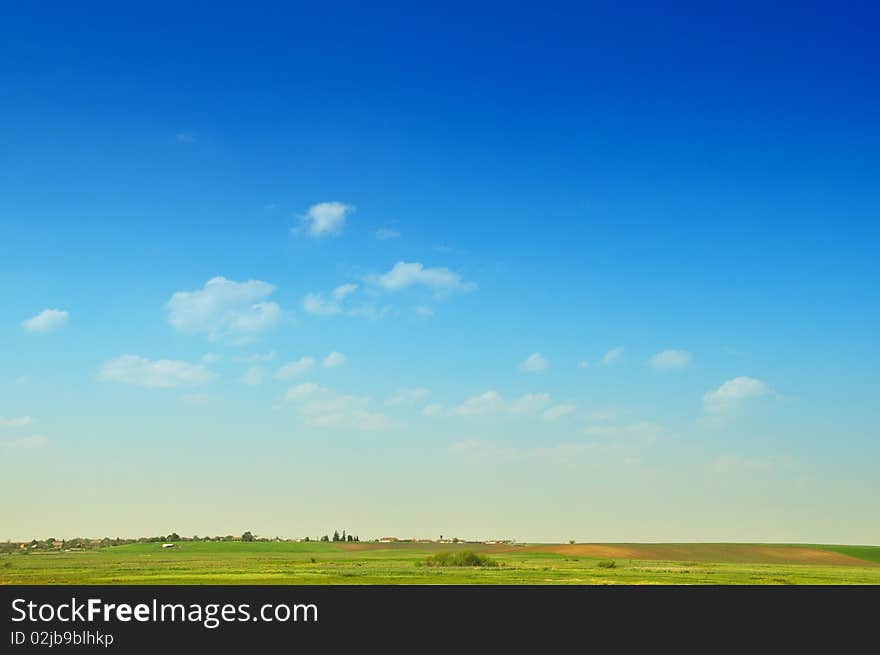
607 564
460 558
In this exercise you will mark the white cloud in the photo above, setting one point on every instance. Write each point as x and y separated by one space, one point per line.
734 392
671 359
557 412
433 410
16 422
315 303
293 369
583 364
162 373
408 396
333 360
407 274
534 363
383 234
613 355
225 310
531 403
641 432
35 441
324 408
423 311
259 357
324 218
371 312
253 376
211 358
47 320
485 403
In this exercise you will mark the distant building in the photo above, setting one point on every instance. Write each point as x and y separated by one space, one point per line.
388 540
169 545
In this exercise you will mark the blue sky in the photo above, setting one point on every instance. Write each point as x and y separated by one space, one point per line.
567 271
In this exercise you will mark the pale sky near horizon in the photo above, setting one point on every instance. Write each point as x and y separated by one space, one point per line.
578 274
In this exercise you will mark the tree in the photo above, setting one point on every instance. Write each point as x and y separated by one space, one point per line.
247 536
325 538
336 535
173 537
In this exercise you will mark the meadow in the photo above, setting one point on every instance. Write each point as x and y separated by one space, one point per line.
404 563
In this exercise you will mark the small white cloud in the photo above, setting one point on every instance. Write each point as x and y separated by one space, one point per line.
47 320
383 234
253 376
15 422
534 363
530 403
333 360
211 358
35 441
423 311
407 274
370 311
324 219
324 408
433 410
162 373
408 396
225 310
341 292
734 392
614 355
293 369
485 403
316 304
557 412
669 359
583 364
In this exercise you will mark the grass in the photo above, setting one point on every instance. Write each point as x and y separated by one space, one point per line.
329 563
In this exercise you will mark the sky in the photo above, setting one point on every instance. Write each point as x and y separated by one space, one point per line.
534 272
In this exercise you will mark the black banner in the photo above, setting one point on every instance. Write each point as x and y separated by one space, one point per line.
367 618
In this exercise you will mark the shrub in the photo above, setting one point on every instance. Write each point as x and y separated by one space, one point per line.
460 558
607 564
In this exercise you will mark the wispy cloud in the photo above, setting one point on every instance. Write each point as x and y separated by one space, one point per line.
15 422
161 373
670 359
225 310
325 408
384 233
333 360
613 355
485 403
318 305
294 369
47 320
534 363
407 396
253 376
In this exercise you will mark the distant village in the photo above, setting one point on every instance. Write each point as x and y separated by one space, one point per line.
173 540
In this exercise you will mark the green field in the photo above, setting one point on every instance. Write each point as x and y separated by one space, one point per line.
373 563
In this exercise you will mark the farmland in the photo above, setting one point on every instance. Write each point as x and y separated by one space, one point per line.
281 562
